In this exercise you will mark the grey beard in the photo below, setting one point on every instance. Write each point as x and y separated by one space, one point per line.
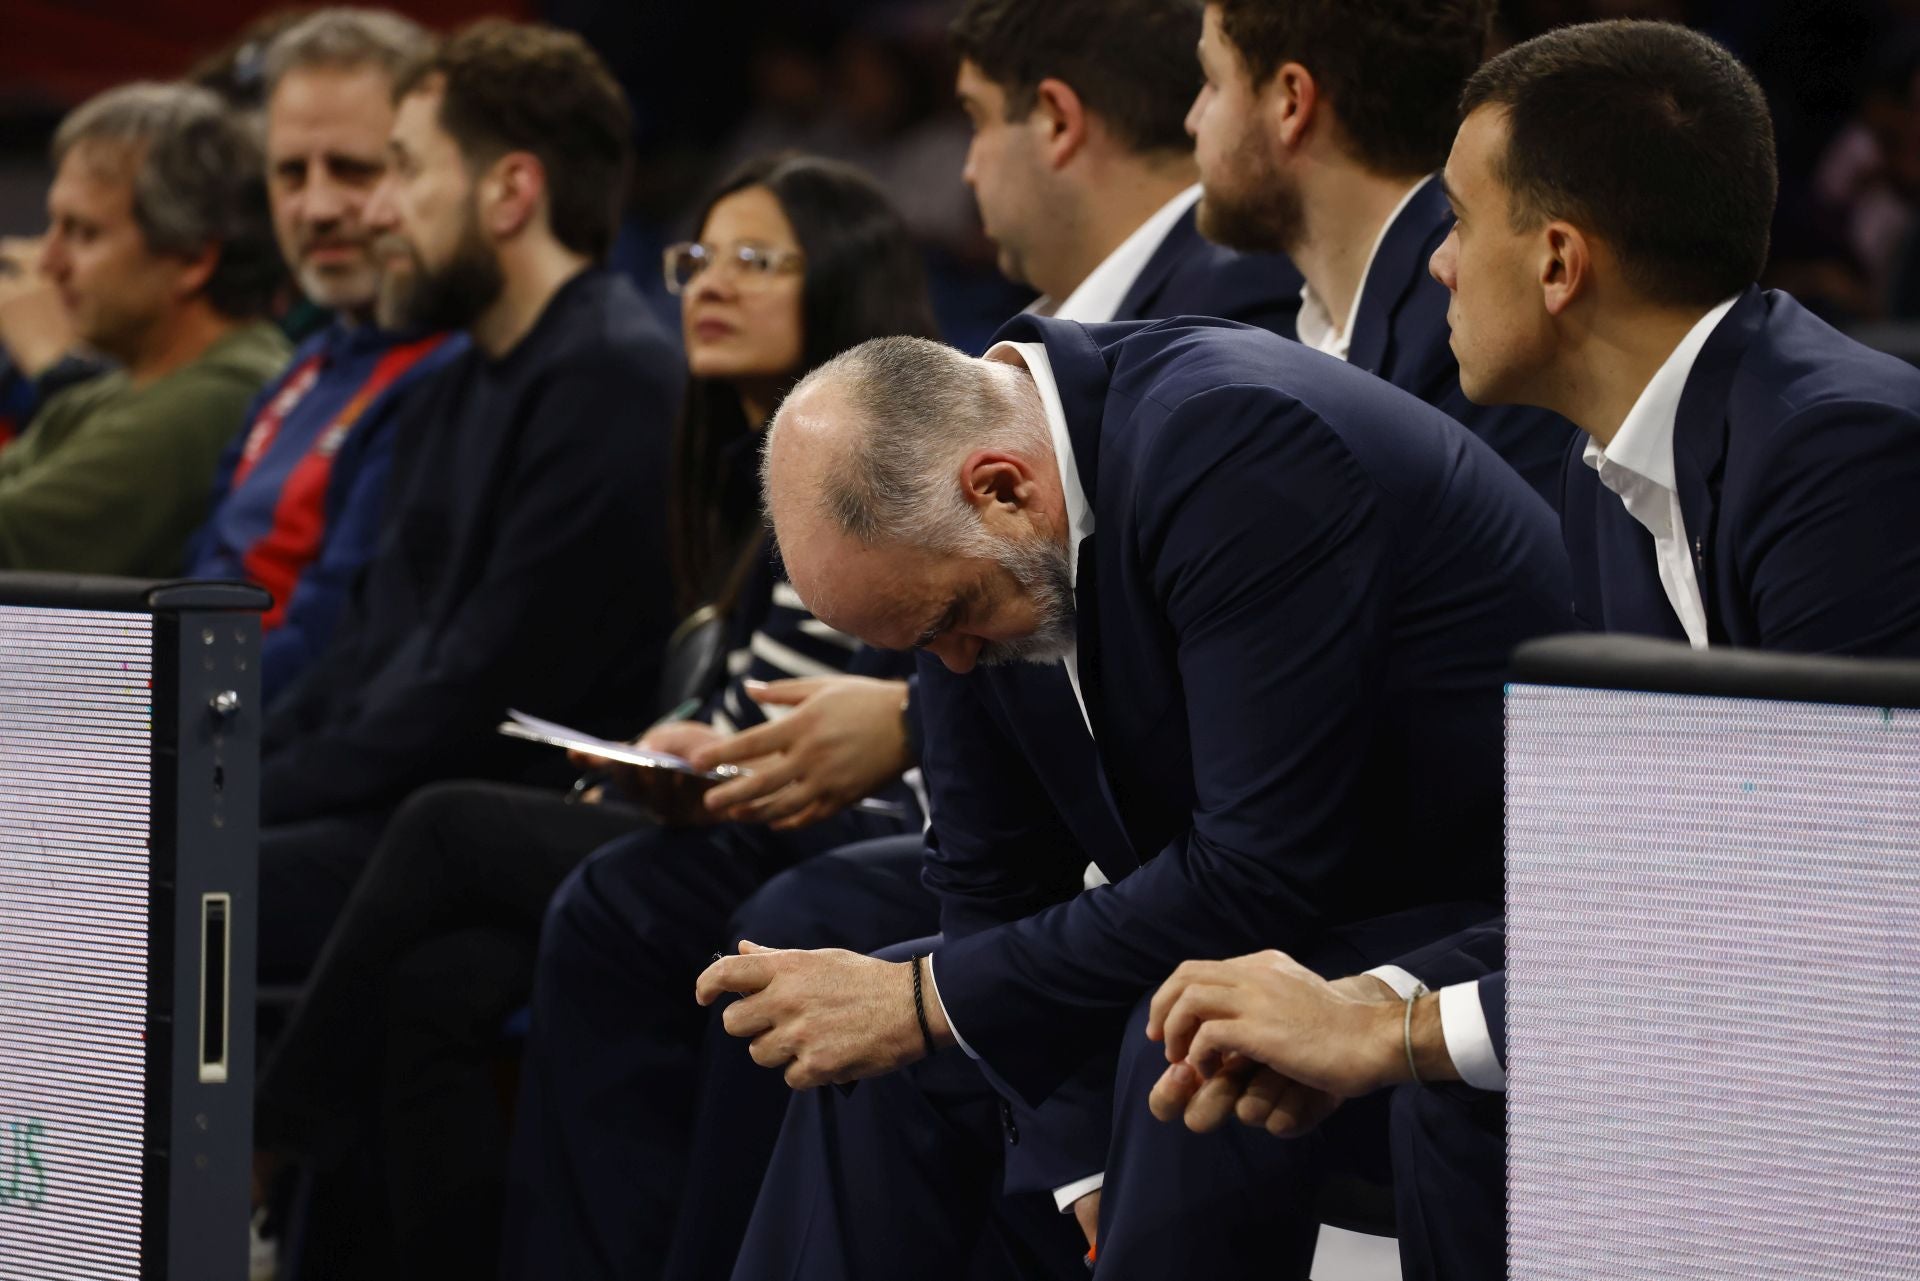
1045 572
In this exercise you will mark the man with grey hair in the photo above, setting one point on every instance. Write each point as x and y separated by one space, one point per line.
160 246
1284 593
300 491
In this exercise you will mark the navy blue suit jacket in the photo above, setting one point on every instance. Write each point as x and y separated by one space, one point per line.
1293 621
1189 275
1796 453
1401 334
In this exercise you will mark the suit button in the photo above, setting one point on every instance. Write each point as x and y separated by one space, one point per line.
1007 1126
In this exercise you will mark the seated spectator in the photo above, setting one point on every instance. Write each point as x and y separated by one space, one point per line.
797 259
522 561
1750 478
162 251
298 503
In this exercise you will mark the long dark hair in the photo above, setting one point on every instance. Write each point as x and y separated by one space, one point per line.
864 279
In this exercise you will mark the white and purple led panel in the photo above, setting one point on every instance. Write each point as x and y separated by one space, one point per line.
1714 1002
75 767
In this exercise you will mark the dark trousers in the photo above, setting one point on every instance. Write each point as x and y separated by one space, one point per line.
609 1081
1450 1182
395 1046
856 1179
470 862
307 873
859 898
901 1177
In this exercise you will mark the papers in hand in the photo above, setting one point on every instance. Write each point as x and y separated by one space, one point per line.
535 730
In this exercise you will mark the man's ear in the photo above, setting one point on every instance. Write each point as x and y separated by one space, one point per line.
196 270
1289 106
1565 266
511 193
992 478
1061 120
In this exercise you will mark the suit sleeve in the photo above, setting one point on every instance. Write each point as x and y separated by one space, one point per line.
1272 562
998 852
1829 556
585 503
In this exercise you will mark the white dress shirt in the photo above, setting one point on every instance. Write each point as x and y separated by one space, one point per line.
1638 467
1315 324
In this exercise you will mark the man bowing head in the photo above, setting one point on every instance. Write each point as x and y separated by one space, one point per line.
1284 594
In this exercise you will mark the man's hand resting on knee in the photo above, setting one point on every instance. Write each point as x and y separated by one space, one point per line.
824 1017
1265 1040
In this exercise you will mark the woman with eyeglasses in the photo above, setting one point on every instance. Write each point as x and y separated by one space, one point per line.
398 1033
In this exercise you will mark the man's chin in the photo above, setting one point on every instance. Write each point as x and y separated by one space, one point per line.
336 290
1236 228
1042 651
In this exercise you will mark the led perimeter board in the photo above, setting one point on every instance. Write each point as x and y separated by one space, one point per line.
129 744
1713 951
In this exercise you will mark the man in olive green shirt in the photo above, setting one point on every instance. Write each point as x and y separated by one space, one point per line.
162 251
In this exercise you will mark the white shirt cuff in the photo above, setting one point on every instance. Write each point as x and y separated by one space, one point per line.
1404 985
1064 1197
1463 1021
951 1026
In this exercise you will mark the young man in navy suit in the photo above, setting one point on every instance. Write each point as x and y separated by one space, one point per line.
1318 132
1751 477
1284 594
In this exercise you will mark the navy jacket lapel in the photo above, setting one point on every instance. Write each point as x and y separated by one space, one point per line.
1399 265
1700 439
1159 271
1634 598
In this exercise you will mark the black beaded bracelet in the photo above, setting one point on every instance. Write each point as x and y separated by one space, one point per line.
920 1006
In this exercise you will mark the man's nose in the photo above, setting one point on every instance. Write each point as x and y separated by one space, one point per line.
959 653
1441 265
54 262
380 213
324 201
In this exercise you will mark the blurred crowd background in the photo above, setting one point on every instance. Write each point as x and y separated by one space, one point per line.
712 81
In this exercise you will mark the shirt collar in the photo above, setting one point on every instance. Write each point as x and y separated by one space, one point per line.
1097 299
1079 512
1315 322
1644 443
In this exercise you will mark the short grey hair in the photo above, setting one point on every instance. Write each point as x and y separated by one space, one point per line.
198 179
919 408
347 39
